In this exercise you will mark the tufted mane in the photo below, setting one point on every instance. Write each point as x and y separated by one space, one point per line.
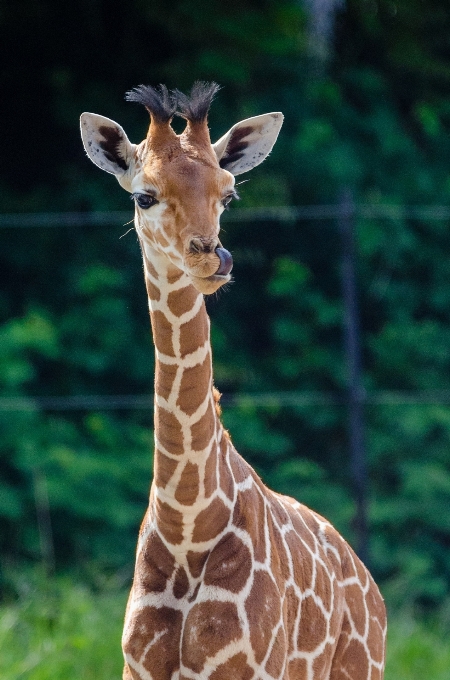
163 105
195 107
159 102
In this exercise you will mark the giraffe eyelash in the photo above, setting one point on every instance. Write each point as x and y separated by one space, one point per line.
227 200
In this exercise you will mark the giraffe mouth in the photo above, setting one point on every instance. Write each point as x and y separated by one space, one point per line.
209 284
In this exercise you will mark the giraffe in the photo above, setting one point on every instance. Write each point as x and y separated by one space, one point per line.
232 580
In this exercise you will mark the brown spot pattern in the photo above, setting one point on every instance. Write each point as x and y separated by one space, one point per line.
236 667
182 301
194 387
323 585
168 431
164 468
322 663
196 562
304 532
150 268
229 564
193 334
291 606
249 514
277 656
211 521
279 561
376 674
203 430
263 610
174 276
302 564
226 480
376 640
154 566
170 522
298 668
355 601
180 584
211 474
164 377
279 514
152 291
162 333
209 627
188 486
162 625
313 626
354 660
240 468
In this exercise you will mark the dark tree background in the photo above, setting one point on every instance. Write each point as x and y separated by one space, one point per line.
372 115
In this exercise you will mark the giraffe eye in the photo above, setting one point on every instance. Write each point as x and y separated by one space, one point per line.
227 200
144 201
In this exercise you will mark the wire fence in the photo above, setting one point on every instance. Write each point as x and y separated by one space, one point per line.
278 213
337 211
354 398
102 402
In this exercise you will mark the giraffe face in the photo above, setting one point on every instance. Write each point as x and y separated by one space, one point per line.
179 197
181 183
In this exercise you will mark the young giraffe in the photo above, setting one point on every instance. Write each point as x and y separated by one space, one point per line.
232 581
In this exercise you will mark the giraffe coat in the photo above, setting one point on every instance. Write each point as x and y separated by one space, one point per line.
232 580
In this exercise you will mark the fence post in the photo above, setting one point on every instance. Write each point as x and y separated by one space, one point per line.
44 521
355 390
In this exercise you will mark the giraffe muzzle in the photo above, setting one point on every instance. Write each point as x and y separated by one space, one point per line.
226 262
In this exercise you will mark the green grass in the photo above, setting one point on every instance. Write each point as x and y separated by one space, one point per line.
417 651
63 631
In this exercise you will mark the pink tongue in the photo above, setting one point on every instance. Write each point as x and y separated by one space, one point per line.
226 261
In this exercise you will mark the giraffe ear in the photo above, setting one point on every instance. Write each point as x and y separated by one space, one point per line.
248 143
106 143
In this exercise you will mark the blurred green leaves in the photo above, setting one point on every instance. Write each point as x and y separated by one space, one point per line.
73 308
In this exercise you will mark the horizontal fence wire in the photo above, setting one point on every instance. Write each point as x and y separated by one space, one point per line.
102 402
281 213
265 399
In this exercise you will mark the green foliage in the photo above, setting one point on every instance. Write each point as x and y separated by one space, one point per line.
56 630
415 649
73 308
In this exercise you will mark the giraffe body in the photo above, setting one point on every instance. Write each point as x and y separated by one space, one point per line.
232 581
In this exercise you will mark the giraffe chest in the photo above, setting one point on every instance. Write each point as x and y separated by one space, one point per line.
224 614
182 620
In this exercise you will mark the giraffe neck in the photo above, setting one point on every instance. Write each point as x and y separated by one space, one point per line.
186 424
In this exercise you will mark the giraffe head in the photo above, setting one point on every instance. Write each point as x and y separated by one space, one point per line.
181 183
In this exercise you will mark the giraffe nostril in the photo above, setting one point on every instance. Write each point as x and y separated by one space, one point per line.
196 245
202 245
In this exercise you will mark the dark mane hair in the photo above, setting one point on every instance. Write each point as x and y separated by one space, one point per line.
160 103
195 107
163 105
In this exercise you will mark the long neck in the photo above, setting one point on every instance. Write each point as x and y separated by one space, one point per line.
186 424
